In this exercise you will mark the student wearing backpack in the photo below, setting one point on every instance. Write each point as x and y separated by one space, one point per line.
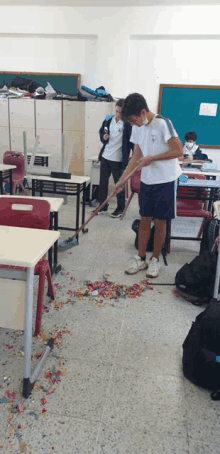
157 149
114 155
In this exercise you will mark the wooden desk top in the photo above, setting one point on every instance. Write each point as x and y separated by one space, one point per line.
39 154
24 247
75 179
201 183
211 173
93 158
55 202
6 167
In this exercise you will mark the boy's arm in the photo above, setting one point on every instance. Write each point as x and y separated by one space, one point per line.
131 166
175 151
102 132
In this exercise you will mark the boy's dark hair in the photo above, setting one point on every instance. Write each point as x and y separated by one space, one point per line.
133 105
190 136
120 102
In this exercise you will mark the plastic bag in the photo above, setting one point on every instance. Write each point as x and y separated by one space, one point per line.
50 92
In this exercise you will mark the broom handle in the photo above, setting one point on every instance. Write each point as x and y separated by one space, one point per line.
103 204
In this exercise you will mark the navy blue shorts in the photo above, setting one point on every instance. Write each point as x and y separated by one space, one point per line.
158 200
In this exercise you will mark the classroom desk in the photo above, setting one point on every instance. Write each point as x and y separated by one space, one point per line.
55 204
24 247
40 159
196 192
6 172
73 187
209 174
94 165
194 163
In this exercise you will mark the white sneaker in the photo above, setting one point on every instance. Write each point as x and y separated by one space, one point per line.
153 267
135 265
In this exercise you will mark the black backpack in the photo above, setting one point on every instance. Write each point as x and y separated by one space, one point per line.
195 280
210 232
201 351
150 244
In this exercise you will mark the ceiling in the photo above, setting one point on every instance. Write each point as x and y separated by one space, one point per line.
108 3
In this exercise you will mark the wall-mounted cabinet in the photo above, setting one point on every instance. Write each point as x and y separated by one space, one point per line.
82 121
48 114
4 141
21 113
4 117
49 119
17 141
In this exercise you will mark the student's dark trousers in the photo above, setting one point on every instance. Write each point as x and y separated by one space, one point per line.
106 169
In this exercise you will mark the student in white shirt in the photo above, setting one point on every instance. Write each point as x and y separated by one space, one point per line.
191 150
157 149
114 155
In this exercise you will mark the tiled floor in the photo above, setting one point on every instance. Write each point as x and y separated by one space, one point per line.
121 388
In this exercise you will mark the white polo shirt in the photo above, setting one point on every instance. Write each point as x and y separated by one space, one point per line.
152 139
191 151
113 149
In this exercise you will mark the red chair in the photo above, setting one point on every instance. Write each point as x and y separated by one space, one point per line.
135 188
35 215
193 208
190 208
15 158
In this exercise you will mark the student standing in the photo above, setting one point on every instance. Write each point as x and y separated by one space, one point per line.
114 155
157 149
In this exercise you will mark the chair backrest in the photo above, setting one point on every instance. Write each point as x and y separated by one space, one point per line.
15 158
135 181
24 212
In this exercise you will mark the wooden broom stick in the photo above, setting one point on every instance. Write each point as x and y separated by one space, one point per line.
102 205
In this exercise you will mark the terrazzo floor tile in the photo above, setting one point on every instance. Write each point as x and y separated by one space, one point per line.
85 391
51 433
202 414
150 336
123 440
95 337
123 360
202 447
144 401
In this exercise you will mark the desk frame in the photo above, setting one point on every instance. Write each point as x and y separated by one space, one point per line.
212 196
63 188
5 174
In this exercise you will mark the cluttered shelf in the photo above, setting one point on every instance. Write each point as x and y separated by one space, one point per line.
39 85
52 86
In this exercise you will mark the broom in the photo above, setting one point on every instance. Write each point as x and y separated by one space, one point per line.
72 241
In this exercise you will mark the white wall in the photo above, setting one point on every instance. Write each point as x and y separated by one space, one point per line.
123 48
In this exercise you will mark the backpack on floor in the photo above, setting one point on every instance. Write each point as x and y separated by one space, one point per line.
150 244
195 280
201 351
210 233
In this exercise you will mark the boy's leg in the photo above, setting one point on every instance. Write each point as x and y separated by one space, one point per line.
105 173
143 235
159 236
116 169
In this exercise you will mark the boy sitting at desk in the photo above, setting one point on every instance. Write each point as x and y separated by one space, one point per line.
191 150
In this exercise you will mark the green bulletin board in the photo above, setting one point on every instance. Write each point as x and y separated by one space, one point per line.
181 104
62 83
